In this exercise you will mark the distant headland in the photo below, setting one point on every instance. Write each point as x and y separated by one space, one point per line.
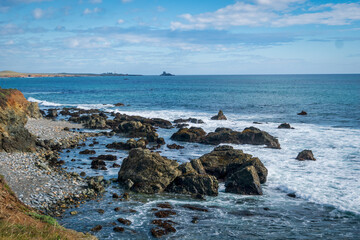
12 74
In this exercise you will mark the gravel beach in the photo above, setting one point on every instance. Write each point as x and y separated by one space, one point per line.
28 175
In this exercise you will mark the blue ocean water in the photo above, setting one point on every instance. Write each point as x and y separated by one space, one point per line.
328 197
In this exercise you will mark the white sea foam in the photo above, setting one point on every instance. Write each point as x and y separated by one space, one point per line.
93 106
44 103
332 180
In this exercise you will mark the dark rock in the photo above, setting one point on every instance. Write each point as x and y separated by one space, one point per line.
164 228
249 135
87 151
285 125
52 113
97 164
117 209
292 195
195 208
219 116
302 113
175 146
192 120
96 228
244 181
119 105
115 165
115 195
118 229
107 157
101 211
192 134
130 144
82 174
225 160
149 172
194 183
164 205
164 213
124 221
195 220
182 125
305 155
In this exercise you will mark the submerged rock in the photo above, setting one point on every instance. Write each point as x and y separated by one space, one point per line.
130 144
175 146
302 113
148 171
306 155
219 116
285 125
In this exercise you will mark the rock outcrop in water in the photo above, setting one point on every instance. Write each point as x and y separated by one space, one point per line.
306 155
130 144
219 116
14 111
147 172
285 125
249 135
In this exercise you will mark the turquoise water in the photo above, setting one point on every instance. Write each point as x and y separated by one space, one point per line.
328 197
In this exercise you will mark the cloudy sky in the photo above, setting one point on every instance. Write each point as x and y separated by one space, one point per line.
182 37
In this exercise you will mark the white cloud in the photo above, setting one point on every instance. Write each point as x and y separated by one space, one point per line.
89 11
120 21
270 13
95 1
38 13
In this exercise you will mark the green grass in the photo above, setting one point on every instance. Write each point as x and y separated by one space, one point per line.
44 218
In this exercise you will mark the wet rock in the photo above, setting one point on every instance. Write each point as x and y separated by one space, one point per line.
115 165
52 113
101 211
164 205
175 146
130 144
219 116
192 120
244 181
87 151
119 105
106 157
292 195
194 183
124 221
302 113
225 160
118 229
74 213
96 228
195 208
117 209
97 164
115 195
305 155
164 228
148 171
164 213
182 125
249 135
82 174
192 134
285 125
195 220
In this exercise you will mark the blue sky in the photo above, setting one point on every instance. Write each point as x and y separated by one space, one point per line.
182 37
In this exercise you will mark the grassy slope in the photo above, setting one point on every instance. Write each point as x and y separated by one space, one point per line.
18 221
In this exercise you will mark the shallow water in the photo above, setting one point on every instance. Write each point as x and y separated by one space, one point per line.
328 198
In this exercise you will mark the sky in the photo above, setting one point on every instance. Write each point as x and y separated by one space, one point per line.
180 37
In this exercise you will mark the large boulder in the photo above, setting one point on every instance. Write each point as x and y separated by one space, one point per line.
219 116
94 121
225 160
244 181
249 135
192 134
306 155
148 172
194 183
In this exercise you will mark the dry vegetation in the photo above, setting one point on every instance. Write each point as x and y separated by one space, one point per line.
18 221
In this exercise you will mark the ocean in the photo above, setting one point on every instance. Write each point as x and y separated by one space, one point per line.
327 203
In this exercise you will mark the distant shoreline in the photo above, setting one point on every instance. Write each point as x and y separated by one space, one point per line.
11 74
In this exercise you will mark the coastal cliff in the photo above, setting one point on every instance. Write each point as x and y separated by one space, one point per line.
14 112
